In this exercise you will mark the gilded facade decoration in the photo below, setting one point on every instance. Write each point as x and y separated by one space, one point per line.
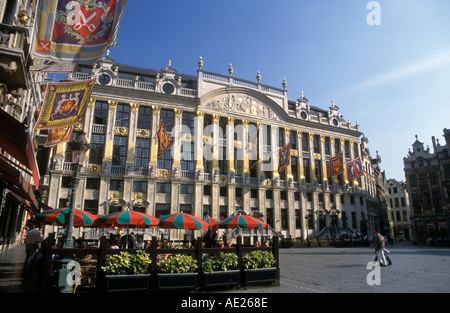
242 104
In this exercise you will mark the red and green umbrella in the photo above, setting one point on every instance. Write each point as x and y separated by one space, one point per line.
211 221
182 221
128 218
242 221
61 217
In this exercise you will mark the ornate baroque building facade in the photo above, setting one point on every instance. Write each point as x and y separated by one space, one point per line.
226 136
428 179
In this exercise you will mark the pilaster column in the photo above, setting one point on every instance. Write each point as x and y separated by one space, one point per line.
275 151
230 145
289 167
153 163
198 141
134 108
311 157
88 122
323 159
109 135
177 141
333 153
215 140
342 141
260 148
244 147
300 155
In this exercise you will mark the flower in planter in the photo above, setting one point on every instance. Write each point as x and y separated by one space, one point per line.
127 263
177 263
258 259
221 262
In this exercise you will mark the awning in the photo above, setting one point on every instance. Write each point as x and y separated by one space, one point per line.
15 139
14 181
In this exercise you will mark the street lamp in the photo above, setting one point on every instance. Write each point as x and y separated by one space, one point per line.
79 146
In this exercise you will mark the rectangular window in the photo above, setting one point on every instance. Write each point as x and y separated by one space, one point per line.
306 170
188 120
187 157
294 167
100 113
281 138
298 220
327 146
355 150
140 186
316 143
142 153
293 139
318 170
144 118
186 189
93 183
163 187
91 206
97 149
116 185
122 115
119 156
305 142
347 149
161 209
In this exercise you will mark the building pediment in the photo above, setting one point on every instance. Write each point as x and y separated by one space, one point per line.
242 102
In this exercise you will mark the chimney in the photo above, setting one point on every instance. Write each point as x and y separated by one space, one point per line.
434 144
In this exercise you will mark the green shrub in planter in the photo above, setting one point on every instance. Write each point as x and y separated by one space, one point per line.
127 263
177 263
221 262
258 259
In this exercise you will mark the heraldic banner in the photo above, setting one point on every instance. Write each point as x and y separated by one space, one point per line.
284 157
50 66
65 104
72 31
58 135
163 139
354 169
336 165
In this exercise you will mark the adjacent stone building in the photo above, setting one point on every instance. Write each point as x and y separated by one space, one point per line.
401 214
427 175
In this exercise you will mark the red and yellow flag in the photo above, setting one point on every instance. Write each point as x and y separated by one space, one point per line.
58 135
163 139
336 165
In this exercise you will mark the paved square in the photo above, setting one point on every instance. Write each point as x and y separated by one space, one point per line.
343 270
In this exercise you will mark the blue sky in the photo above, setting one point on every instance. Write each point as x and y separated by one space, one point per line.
393 78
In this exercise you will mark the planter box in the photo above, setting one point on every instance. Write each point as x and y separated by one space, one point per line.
221 278
177 280
261 275
128 283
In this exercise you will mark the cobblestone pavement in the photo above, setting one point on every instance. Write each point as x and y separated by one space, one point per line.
415 269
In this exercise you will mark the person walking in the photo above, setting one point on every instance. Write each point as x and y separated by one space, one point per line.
32 240
379 248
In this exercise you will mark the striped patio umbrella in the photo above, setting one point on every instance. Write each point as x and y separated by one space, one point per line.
242 221
128 218
61 217
182 221
211 221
